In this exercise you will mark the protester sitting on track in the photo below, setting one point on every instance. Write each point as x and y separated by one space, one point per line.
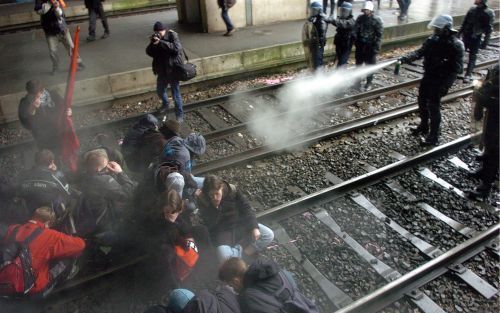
44 185
45 246
106 191
231 220
259 284
134 146
39 113
177 301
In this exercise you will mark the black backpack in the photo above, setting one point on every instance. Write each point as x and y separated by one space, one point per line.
290 298
16 272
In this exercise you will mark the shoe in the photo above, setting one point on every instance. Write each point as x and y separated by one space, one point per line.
368 86
467 79
419 130
180 119
105 35
429 141
481 192
476 174
163 109
230 32
90 38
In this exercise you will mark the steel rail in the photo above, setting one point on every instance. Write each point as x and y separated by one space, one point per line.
218 134
395 290
314 136
83 18
304 203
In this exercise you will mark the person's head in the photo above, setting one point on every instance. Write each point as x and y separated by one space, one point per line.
315 8
96 160
149 121
159 27
45 159
442 25
367 8
178 299
170 129
481 3
45 215
213 189
345 10
34 87
232 273
196 144
170 202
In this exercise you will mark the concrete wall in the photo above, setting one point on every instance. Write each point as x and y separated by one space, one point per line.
271 11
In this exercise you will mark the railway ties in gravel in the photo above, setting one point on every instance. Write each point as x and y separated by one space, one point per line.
341 189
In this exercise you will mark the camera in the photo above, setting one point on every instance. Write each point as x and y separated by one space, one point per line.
156 36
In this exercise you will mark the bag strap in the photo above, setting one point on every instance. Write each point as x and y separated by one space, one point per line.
32 236
185 55
12 237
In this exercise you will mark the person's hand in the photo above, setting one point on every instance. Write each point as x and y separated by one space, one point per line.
403 60
156 40
69 112
114 167
256 234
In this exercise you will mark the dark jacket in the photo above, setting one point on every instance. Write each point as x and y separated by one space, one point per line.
320 23
368 32
443 58
477 22
220 300
345 31
233 221
262 281
43 123
166 54
41 186
487 97
51 23
93 4
141 138
226 3
105 196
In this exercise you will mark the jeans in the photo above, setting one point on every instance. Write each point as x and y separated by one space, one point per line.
226 19
161 90
93 13
198 180
53 42
225 252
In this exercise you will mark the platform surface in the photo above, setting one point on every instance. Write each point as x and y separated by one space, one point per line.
24 55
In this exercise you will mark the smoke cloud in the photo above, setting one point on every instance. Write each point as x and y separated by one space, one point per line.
300 94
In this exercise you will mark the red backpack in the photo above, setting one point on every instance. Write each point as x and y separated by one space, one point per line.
16 272
185 259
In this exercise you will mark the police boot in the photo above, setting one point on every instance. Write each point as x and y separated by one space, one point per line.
430 140
419 130
480 193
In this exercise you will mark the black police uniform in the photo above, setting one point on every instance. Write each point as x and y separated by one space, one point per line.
478 21
443 61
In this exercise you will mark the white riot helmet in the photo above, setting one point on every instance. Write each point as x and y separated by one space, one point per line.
345 10
368 5
441 22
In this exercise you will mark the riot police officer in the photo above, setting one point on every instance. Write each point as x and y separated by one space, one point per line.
343 39
317 44
478 21
443 60
368 33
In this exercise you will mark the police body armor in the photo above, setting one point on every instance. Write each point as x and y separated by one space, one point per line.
310 41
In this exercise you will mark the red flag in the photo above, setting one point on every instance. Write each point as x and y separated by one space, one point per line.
69 141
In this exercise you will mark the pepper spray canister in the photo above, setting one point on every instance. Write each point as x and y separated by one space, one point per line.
397 67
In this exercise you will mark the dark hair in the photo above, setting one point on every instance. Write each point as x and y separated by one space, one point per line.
44 157
33 86
212 183
233 267
172 199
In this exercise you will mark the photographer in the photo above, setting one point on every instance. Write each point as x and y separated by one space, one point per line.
166 51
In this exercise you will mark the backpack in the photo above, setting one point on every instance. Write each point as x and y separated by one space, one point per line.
16 272
159 173
291 299
185 259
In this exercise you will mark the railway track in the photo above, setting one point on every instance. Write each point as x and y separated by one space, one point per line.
317 206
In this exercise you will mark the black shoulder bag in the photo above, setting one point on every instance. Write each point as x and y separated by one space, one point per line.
185 71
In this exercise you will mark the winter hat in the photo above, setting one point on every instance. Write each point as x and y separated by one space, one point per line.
175 181
178 299
195 143
159 26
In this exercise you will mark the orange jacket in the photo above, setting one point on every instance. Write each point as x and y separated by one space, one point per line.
48 246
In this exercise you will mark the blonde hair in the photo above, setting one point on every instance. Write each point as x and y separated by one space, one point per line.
45 214
232 268
95 158
170 201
